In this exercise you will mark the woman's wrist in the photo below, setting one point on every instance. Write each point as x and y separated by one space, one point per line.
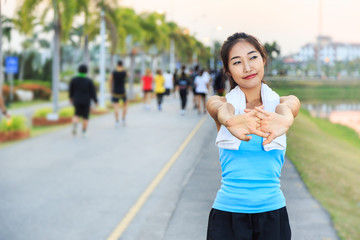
286 112
225 112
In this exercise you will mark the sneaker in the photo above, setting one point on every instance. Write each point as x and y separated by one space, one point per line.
123 122
84 134
74 131
117 124
182 112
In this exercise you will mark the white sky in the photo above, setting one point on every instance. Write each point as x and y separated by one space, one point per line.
291 23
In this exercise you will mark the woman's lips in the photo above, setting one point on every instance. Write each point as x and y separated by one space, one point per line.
250 76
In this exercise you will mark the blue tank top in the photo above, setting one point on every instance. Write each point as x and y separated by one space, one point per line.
250 178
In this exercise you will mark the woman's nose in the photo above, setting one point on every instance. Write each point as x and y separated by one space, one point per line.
247 67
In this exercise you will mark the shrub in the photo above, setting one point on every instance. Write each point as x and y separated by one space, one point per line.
6 93
43 112
16 123
67 112
40 92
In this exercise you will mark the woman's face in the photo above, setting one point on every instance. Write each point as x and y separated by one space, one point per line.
246 65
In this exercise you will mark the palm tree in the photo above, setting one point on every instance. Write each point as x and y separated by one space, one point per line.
1 59
7 32
156 35
64 12
273 51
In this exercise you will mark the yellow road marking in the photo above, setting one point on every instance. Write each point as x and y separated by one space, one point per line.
125 222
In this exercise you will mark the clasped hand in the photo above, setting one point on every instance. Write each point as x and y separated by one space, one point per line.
260 122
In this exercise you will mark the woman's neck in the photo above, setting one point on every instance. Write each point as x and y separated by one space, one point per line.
253 97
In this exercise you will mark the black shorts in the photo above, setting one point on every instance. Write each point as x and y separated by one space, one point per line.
82 110
116 97
148 90
272 225
167 92
201 94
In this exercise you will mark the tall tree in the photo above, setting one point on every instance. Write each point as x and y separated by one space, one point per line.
64 12
273 51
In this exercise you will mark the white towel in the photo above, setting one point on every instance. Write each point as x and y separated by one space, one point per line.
237 98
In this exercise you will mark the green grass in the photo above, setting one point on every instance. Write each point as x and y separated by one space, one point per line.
62 96
318 92
327 158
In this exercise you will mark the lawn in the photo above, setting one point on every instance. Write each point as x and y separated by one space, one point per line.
319 91
327 155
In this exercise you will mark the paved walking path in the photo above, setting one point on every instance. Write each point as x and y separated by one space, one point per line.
57 186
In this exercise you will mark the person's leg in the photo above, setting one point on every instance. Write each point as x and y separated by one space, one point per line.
272 225
84 125
198 96
75 119
115 102
204 102
183 99
195 99
220 226
85 117
124 111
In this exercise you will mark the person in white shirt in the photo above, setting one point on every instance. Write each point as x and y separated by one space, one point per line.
169 83
201 88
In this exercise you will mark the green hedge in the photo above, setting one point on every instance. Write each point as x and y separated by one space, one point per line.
15 123
64 112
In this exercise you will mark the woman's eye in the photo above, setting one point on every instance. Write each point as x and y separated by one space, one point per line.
253 57
237 62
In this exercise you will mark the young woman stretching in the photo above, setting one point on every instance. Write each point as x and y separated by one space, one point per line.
252 121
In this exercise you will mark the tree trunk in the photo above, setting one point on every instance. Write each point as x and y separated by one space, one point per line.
132 76
1 58
143 64
86 50
22 66
112 62
56 64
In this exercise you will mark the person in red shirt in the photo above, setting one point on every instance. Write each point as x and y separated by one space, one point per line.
147 81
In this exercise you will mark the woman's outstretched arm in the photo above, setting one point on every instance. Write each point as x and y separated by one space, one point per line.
278 123
238 125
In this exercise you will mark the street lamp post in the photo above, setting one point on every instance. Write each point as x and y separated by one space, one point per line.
102 60
56 60
318 47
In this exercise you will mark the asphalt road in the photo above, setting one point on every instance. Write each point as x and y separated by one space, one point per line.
57 186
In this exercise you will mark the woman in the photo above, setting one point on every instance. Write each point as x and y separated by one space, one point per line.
147 88
201 88
252 121
183 84
159 88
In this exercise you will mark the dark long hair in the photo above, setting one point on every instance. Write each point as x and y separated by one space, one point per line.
228 45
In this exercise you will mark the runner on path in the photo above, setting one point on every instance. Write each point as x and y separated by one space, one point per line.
117 88
159 88
81 92
252 121
183 84
147 80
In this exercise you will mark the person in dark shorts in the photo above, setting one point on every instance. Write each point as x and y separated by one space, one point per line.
252 121
183 84
117 88
81 92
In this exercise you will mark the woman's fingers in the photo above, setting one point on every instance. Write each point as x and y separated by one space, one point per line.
269 139
260 133
261 110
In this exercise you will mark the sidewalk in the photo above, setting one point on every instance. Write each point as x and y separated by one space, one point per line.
65 187
308 220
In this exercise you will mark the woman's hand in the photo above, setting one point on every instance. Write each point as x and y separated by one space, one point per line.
274 124
242 125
